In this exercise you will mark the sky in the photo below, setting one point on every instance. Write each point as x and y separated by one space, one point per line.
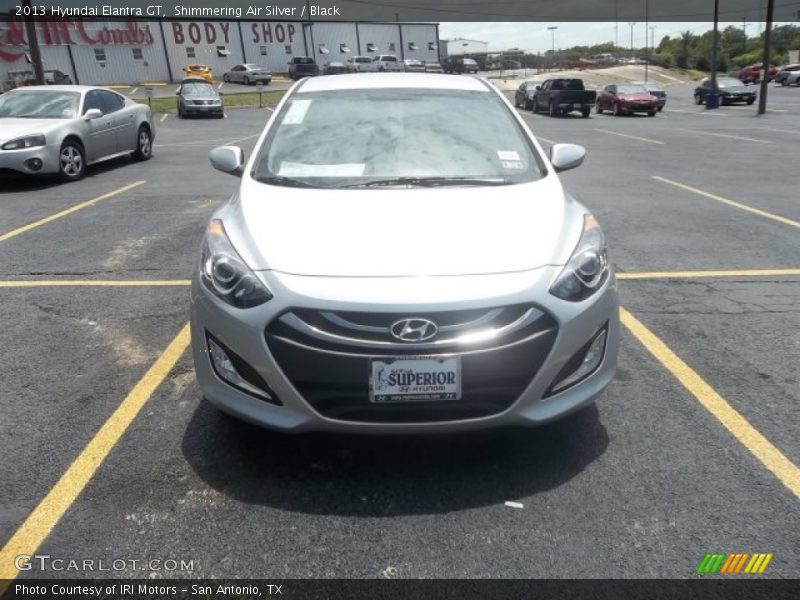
535 37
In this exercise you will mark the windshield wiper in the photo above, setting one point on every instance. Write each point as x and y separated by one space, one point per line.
284 181
428 182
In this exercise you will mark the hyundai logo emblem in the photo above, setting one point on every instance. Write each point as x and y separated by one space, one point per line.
414 330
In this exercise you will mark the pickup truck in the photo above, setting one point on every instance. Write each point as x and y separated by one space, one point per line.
561 96
302 66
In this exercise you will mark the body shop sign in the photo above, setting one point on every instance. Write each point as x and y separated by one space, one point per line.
13 40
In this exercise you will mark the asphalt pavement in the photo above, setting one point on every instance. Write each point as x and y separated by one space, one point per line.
693 448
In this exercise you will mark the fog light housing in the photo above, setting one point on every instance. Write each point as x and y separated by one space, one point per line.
582 364
234 371
34 164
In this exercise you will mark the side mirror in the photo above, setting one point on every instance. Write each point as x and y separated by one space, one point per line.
92 113
228 159
566 156
538 87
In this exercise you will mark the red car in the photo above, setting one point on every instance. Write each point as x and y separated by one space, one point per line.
623 99
752 74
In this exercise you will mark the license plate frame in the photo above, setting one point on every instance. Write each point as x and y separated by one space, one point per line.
443 385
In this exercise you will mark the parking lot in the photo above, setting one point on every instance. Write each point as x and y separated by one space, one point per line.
111 452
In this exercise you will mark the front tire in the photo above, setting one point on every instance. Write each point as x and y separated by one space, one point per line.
225 78
750 100
585 112
528 105
617 112
71 161
697 99
144 144
553 110
246 80
598 109
651 113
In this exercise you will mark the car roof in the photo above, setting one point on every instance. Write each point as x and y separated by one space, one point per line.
81 89
394 80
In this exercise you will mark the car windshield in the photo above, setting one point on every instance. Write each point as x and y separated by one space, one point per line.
395 136
630 89
197 89
254 67
723 83
44 104
363 59
469 61
303 61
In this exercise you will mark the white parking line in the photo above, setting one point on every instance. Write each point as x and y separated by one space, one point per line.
270 109
791 131
777 110
725 135
164 117
133 91
696 112
633 137
219 87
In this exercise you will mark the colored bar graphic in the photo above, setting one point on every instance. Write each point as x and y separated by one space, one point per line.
723 563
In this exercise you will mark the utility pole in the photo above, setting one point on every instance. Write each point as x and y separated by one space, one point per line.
33 44
616 24
714 48
744 27
762 97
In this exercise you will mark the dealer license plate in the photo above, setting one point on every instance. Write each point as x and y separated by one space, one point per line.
415 379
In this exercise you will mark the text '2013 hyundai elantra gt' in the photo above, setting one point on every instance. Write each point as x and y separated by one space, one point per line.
400 257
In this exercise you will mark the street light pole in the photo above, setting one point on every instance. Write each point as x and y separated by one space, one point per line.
552 30
632 24
646 45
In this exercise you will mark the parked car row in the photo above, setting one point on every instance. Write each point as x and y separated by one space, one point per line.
305 66
559 97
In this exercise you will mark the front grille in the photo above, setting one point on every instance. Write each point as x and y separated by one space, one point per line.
326 355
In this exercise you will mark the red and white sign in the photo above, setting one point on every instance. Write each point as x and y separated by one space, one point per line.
13 40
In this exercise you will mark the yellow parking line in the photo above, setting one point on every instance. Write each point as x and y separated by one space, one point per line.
72 209
750 209
48 513
699 274
27 283
632 137
759 446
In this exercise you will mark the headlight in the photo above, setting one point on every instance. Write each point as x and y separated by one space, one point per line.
29 141
587 269
225 274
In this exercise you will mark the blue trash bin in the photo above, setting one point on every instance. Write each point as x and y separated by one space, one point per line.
712 99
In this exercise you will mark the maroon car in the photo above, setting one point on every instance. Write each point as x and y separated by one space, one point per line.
625 99
752 74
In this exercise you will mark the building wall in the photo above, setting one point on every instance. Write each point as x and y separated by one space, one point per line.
273 39
109 52
424 37
384 37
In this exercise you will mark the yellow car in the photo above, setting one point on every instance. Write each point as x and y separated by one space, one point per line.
198 70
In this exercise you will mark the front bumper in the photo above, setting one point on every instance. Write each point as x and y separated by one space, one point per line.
24 160
205 109
247 334
633 107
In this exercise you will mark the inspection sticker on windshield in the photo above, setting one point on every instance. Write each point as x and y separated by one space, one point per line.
297 112
508 155
415 379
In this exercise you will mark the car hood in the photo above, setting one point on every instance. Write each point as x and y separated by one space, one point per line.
403 232
11 128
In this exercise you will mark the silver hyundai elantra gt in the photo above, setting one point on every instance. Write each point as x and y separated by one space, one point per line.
401 257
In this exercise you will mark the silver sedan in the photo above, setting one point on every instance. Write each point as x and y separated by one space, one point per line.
62 129
392 271
247 74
